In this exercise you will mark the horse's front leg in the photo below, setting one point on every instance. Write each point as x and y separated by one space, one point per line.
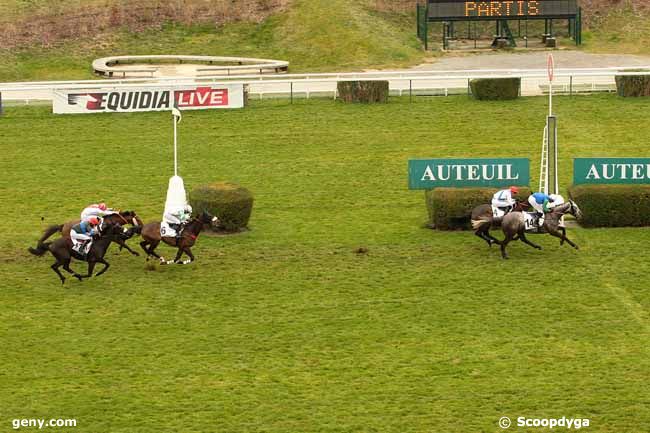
91 266
55 268
522 237
122 244
179 254
563 237
66 266
187 251
106 265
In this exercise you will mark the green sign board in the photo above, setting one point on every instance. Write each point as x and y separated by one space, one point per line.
435 173
611 171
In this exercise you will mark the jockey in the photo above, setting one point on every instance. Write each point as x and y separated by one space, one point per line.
97 210
540 202
177 218
82 233
504 199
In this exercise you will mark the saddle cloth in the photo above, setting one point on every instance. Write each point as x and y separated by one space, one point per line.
496 212
529 222
166 231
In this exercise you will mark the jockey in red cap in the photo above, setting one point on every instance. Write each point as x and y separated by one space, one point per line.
504 199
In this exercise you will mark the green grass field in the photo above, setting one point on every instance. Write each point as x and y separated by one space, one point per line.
285 328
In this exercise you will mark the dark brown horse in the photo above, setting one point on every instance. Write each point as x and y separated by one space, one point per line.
120 217
151 238
62 251
484 211
514 226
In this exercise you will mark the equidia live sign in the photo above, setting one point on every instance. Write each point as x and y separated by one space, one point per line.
435 173
111 100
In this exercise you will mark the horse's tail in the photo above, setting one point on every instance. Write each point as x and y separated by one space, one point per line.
49 232
40 249
478 223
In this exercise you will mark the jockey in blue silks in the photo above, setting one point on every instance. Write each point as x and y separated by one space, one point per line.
82 234
541 203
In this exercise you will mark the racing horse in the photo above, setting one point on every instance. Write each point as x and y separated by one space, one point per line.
119 217
484 211
514 226
62 251
151 238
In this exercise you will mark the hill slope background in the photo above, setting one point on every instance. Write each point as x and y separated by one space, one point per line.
52 39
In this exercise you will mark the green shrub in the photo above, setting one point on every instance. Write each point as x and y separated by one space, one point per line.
612 205
228 201
495 89
451 208
633 85
362 91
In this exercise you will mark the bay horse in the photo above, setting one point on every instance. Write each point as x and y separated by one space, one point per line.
484 211
62 251
151 238
514 226
119 217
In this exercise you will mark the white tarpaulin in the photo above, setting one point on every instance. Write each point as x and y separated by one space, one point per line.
176 197
126 100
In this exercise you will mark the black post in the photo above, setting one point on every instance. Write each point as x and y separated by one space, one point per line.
0 103
526 33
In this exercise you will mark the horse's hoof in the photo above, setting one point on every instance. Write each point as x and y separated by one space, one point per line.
576 247
539 248
135 253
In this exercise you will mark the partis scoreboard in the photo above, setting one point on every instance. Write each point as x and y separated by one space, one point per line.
500 9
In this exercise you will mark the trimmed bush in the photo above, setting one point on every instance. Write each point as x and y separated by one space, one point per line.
363 91
451 208
495 89
230 202
612 205
633 85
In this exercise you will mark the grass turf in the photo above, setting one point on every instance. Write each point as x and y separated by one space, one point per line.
285 328
313 36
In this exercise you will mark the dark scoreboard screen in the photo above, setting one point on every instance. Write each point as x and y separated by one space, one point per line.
501 9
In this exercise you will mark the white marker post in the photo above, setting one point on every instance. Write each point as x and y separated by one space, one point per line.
550 66
176 118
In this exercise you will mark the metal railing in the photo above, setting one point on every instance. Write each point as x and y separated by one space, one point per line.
412 83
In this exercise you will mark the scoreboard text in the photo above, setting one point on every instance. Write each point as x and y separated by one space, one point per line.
501 9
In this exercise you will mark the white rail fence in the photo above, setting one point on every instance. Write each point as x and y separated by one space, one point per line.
402 83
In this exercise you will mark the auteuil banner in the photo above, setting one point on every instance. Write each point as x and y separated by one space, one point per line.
121 100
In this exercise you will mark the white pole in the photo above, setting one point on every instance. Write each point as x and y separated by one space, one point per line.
175 145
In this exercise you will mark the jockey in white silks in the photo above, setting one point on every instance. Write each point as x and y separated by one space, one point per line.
504 199
96 210
177 211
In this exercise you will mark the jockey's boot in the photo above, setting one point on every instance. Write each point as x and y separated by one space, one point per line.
538 221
